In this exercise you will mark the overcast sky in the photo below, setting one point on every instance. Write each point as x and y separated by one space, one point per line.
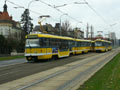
108 13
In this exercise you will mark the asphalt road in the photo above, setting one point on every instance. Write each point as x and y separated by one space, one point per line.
21 68
12 62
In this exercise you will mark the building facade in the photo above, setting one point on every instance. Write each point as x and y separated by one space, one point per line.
112 37
78 33
9 27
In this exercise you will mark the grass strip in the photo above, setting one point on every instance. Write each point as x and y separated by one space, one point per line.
107 78
11 57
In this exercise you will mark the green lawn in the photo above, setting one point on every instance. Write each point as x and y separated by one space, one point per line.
108 78
11 57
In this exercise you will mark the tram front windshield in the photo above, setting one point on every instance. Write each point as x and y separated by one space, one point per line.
32 43
97 43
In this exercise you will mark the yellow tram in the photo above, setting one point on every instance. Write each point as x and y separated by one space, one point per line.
102 45
45 46
82 46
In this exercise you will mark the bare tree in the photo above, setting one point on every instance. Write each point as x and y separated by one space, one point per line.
66 26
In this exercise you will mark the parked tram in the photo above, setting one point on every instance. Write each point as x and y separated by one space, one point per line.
45 46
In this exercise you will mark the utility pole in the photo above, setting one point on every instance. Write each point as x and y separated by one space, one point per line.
92 32
87 31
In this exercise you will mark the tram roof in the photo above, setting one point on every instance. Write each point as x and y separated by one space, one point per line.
103 41
83 40
48 36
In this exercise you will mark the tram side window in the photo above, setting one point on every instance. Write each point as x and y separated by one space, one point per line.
104 44
93 44
107 44
71 43
58 42
41 42
101 44
87 44
82 44
44 42
63 44
77 43
53 42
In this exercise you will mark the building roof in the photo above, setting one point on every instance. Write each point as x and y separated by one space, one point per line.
5 18
5 15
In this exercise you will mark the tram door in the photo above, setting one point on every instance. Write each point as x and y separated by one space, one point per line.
63 49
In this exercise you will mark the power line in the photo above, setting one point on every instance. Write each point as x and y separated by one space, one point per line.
15 4
96 13
19 6
52 6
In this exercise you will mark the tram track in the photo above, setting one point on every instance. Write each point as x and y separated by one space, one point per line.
13 72
67 70
77 79
82 67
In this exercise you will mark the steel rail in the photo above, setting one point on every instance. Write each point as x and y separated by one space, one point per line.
60 72
68 83
26 62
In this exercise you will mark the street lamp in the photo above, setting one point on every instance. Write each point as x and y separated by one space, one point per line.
69 4
60 6
19 7
28 23
60 21
31 2
28 14
80 2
